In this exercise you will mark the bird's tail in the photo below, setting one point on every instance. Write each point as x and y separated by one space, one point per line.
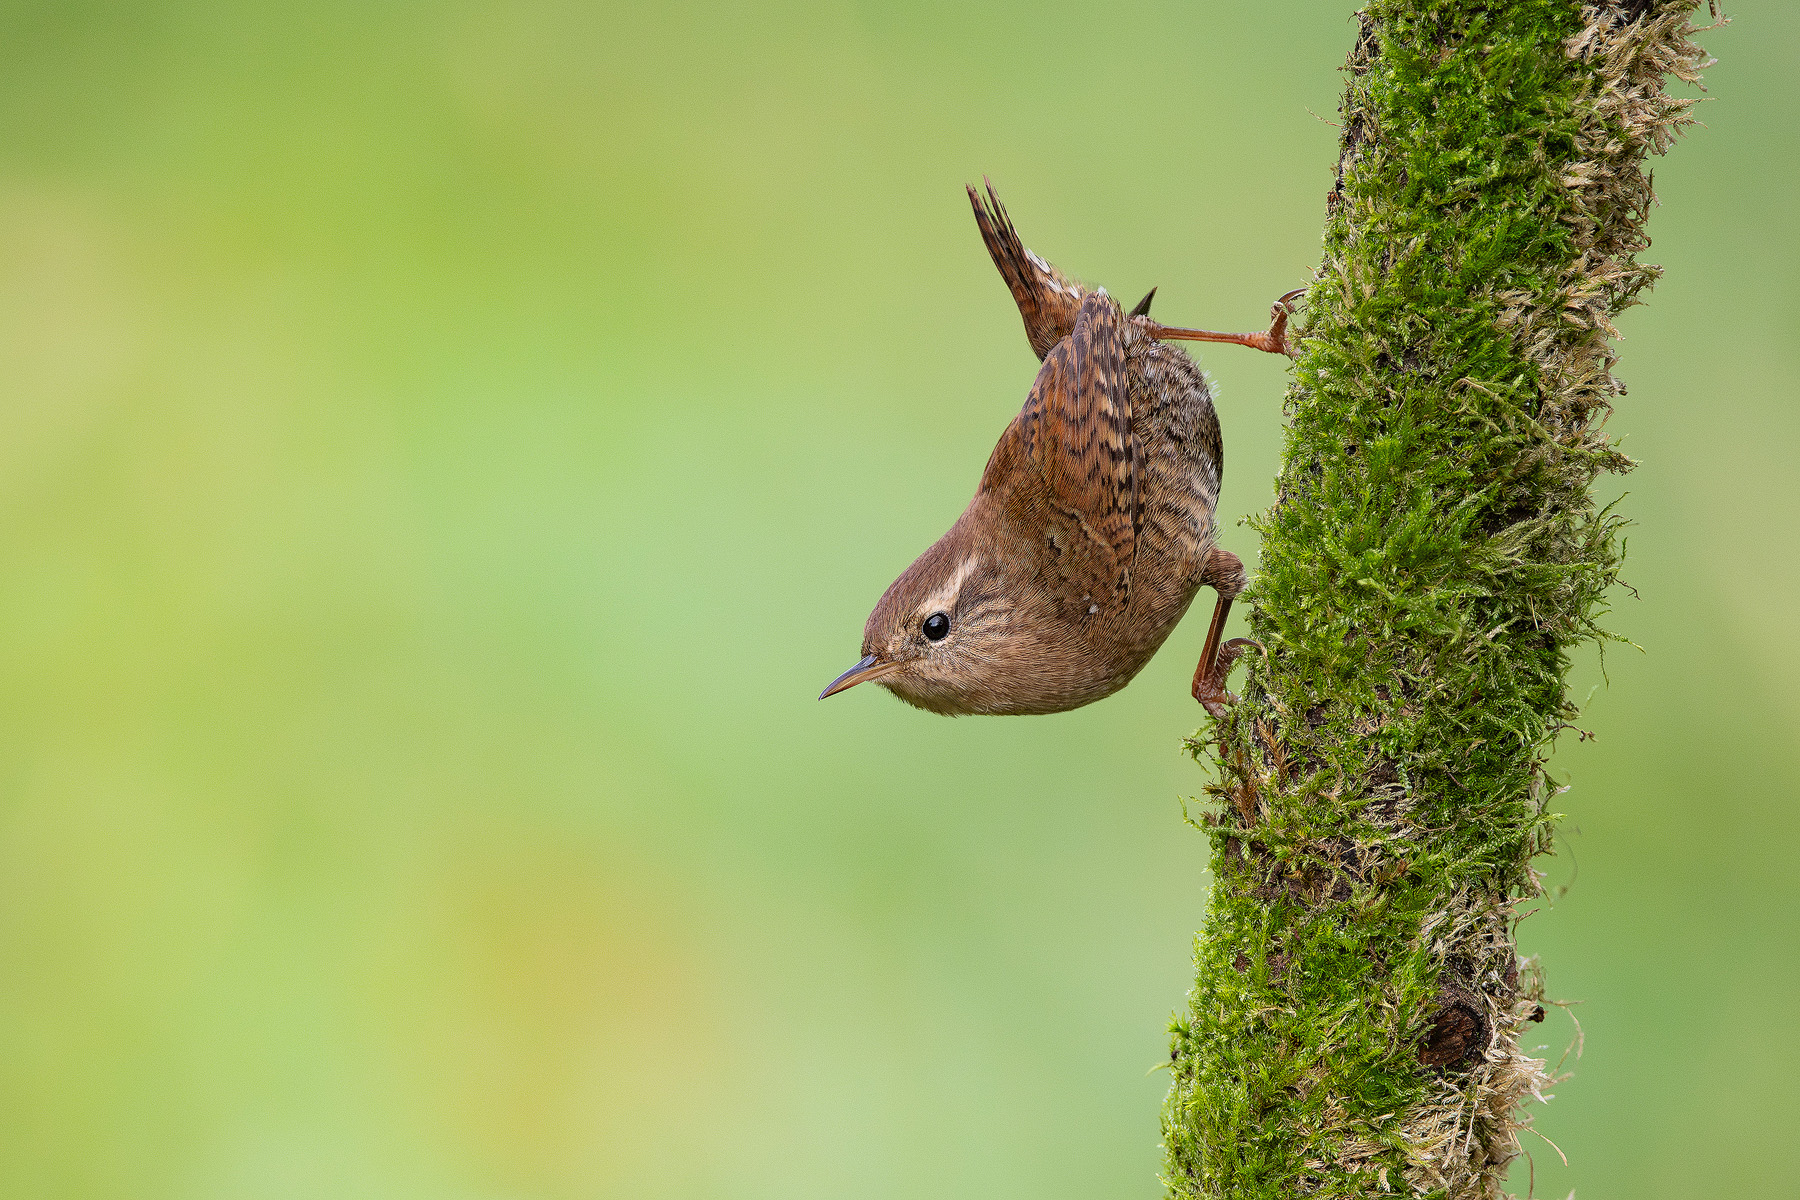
1047 300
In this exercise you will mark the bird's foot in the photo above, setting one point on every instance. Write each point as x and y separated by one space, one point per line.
1279 312
1273 340
1209 685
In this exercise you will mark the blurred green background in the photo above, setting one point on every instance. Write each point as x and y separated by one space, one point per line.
444 448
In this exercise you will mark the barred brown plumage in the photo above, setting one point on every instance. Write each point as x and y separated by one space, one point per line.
1092 526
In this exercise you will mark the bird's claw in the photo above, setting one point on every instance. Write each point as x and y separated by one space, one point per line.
1279 312
1209 687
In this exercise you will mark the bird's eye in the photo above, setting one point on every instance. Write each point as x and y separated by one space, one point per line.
937 625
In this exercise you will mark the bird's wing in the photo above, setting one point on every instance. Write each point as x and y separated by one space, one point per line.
1046 298
1071 455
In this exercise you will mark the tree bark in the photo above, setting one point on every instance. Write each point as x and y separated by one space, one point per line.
1433 556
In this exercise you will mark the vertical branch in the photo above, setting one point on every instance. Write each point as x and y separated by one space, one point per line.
1433 556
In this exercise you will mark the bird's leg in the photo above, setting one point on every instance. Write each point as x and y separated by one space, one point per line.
1216 662
1224 572
1274 340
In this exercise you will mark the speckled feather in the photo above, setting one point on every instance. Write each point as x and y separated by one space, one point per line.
1074 440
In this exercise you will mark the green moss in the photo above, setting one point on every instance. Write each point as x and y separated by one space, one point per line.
1432 559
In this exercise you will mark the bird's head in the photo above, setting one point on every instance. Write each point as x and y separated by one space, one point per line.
954 635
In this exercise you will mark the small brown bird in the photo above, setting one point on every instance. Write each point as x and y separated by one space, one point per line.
1092 527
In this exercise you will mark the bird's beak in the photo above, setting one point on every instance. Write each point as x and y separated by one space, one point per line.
869 668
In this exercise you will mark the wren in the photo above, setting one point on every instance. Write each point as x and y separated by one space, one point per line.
1092 527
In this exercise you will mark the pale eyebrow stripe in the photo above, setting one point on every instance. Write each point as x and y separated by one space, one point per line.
944 598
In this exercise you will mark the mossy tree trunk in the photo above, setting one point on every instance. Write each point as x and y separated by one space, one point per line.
1433 557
